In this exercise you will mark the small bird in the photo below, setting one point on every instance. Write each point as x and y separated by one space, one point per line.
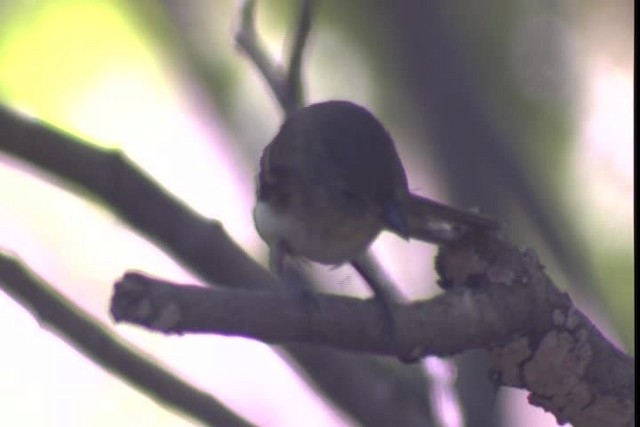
331 180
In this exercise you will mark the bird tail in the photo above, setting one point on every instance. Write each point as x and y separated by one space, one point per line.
438 223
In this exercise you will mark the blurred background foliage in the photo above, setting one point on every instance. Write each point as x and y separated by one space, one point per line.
162 81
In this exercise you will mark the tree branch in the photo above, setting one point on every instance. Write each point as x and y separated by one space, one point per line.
109 177
294 87
86 334
248 41
203 246
501 301
286 85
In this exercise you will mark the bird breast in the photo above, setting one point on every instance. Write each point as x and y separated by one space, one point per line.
319 238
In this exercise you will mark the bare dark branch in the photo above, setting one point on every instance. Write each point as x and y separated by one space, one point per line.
90 338
286 85
201 245
248 41
109 177
294 87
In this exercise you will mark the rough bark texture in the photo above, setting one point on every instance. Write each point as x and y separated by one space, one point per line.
498 298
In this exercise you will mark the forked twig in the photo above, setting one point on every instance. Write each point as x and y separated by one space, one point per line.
294 86
285 84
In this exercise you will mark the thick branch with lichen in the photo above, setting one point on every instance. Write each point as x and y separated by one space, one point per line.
501 301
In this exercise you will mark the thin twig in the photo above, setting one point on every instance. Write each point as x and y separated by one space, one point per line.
369 267
90 338
248 41
286 86
295 87
386 296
